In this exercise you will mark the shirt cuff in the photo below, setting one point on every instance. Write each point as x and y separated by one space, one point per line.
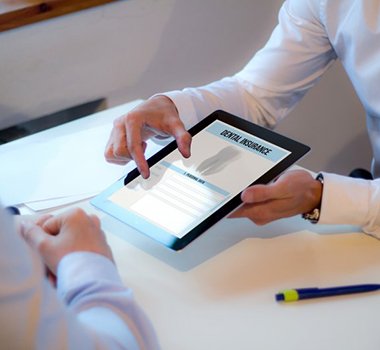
349 201
185 107
78 269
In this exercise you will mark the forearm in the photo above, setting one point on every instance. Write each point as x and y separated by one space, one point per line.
105 307
230 94
93 314
276 78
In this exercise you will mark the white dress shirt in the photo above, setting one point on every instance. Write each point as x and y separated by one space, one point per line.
310 36
91 309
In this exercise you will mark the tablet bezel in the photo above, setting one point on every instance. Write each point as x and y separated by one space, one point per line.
296 149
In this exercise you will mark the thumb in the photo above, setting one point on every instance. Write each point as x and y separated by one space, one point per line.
34 235
258 193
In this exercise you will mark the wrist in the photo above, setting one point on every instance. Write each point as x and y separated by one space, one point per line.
165 101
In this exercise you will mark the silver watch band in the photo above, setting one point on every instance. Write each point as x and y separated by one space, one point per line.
313 215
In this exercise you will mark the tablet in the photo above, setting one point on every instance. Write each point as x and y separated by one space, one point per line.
183 198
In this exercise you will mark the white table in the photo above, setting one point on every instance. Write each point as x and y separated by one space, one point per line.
218 293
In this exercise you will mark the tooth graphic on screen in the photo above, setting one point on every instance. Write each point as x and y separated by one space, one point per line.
218 161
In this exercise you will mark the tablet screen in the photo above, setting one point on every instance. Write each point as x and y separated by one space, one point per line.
181 194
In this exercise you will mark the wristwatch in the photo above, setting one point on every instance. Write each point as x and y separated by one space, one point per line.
313 215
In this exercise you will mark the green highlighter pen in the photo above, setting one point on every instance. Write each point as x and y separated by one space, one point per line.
289 295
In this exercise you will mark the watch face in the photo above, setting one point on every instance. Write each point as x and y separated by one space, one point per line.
312 216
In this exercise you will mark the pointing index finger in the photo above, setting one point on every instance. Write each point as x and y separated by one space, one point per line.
136 147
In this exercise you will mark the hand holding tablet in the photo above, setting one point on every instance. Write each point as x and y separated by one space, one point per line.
182 198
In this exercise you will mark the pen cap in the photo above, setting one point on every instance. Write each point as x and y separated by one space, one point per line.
287 295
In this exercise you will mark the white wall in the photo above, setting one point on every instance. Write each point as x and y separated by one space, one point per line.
134 48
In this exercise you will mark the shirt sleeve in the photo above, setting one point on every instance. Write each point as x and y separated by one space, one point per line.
296 55
351 201
91 309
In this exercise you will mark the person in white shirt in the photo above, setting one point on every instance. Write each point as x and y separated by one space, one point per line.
89 308
310 36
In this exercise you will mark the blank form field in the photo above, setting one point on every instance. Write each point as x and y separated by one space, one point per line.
177 202
163 214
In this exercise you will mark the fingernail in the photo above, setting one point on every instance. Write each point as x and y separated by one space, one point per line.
144 174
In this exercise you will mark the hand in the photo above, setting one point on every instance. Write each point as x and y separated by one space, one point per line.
158 115
72 231
295 192
22 220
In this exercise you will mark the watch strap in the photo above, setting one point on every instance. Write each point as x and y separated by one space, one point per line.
314 214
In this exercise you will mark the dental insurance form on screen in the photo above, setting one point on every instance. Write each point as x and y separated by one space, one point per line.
181 192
